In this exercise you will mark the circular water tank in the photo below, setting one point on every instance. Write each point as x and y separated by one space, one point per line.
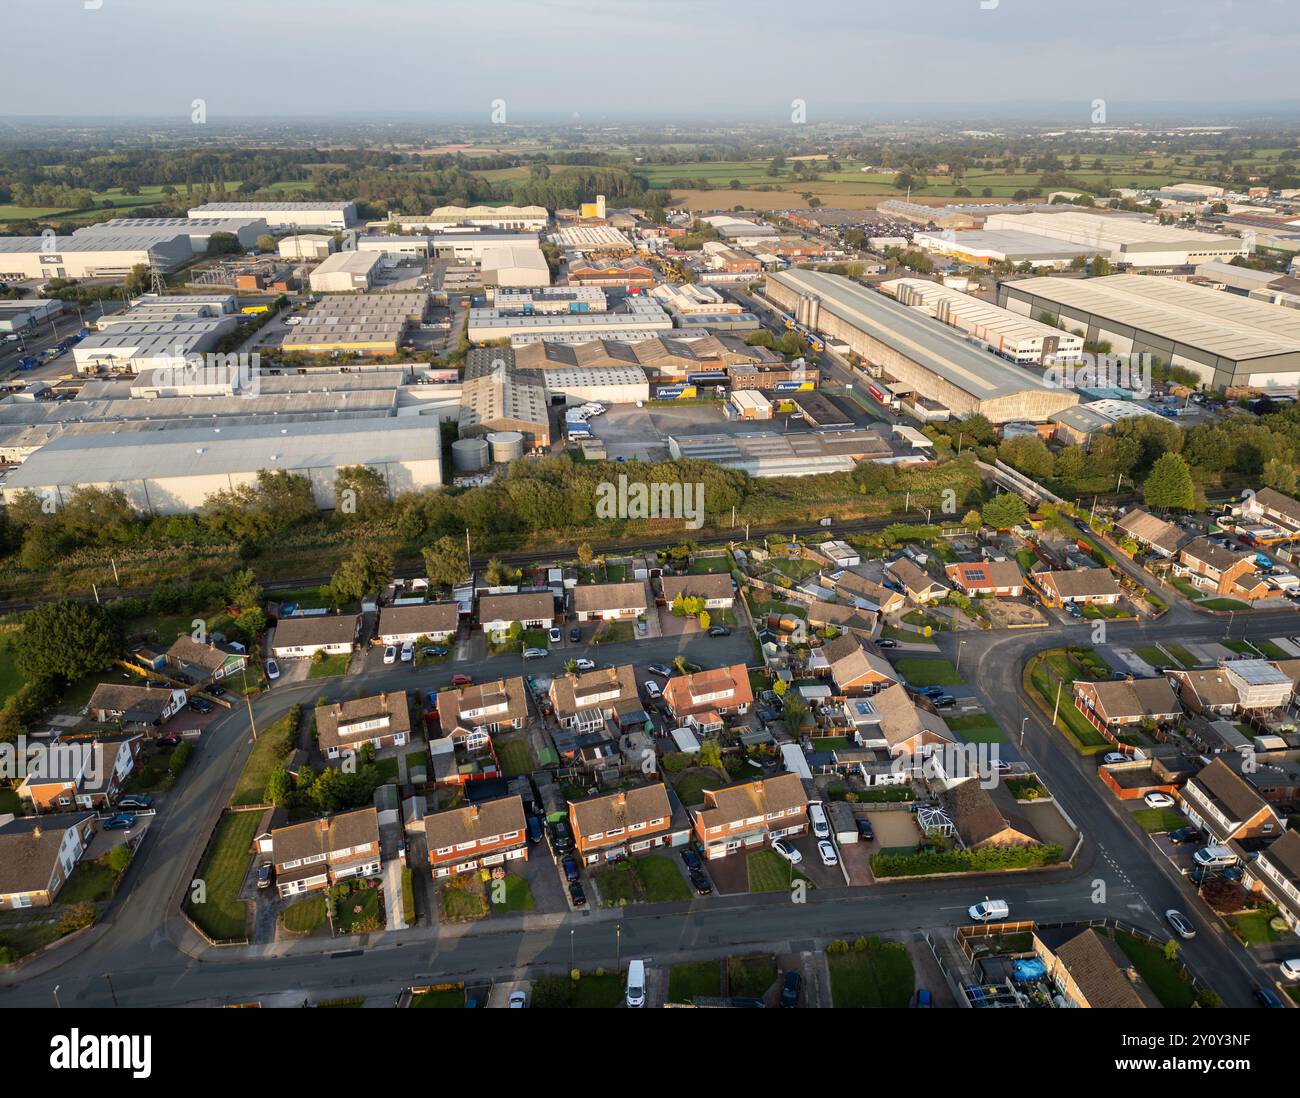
506 445
469 455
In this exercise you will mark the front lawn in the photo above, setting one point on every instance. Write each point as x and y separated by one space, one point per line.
769 872
750 977
517 896
90 882
928 672
444 998
1156 821
357 909
614 632
650 879
273 746
462 899
1225 604
1154 656
329 666
1164 977
222 914
1181 654
690 979
976 728
589 991
1252 927
879 977
304 916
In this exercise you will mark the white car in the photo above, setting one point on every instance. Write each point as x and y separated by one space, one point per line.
1159 800
408 652
652 690
1115 757
584 664
272 670
827 852
390 654
1291 969
518 1000
788 852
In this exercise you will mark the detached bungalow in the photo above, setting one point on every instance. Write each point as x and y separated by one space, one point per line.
610 601
38 855
315 854
204 662
1161 537
751 814
1206 692
626 822
407 624
476 836
1130 701
1223 802
856 670
703 699
863 593
135 707
532 609
304 636
987 577
383 720
846 619
1086 585
916 584
714 588
981 823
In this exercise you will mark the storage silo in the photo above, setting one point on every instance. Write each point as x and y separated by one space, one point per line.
469 455
506 445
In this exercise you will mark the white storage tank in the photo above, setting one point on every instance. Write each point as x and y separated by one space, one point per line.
506 445
469 455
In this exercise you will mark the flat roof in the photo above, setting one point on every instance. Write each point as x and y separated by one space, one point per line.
1111 231
1012 243
911 333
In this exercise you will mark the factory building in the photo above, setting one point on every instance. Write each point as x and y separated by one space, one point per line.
789 454
936 362
628 274
611 384
373 324
95 255
585 239
983 247
171 308
172 472
514 218
690 300
470 245
1125 241
345 272
149 345
391 246
550 300
285 215
305 246
957 215
515 265
486 325
199 229
496 396
1011 335
27 313
1224 339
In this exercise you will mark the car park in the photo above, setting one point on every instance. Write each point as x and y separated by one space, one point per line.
390 654
123 821
272 670
788 852
1158 800
1182 835
791 989
1181 924
826 851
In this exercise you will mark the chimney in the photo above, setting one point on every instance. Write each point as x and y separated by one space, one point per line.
325 824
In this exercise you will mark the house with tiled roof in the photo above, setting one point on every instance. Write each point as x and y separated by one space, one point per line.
381 720
315 854
204 661
627 821
1205 692
715 588
532 609
1222 802
38 855
80 774
610 601
750 814
309 634
1090 970
473 713
1227 572
917 584
987 577
1271 506
855 668
438 621
981 823
585 701
890 721
864 593
1085 586
1275 873
702 700
842 617
476 836
1151 532
1124 702
133 707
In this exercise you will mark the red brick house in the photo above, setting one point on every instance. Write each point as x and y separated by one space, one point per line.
703 699
987 577
476 836
626 822
750 815
314 855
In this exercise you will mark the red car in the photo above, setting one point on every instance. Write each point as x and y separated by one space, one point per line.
461 680
169 740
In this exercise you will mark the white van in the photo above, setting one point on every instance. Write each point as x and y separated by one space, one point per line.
1214 857
820 826
986 911
636 983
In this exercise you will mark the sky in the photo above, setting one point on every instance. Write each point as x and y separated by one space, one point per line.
630 59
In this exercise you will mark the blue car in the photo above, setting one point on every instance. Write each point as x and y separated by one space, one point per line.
923 998
570 869
121 822
575 635
691 859
931 691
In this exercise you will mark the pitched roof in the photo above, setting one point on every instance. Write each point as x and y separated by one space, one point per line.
688 694
316 629
1213 554
842 616
849 659
600 815
522 606
594 597
424 620
986 574
1100 970
506 699
141 703
901 719
349 723
1081 582
1211 686
1145 527
912 577
185 649
324 836
474 822
978 818
1276 501
29 847
1229 791
1284 853
1136 698
711 585
572 693
758 798
858 584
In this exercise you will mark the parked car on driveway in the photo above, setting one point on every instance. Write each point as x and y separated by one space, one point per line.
123 821
1182 835
534 829
576 894
135 800
864 829
433 650
264 874
201 705
1159 800
788 852
216 690
791 989
570 868
691 859
272 670
408 652
700 882
555 635
390 654
827 853
652 690
1113 757
575 635
1291 968
923 998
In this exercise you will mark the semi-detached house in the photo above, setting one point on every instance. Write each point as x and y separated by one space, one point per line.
625 822
38 855
317 853
1222 801
382 720
751 814
470 714
81 774
476 836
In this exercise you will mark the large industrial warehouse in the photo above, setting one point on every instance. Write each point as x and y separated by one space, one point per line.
918 351
176 471
982 247
1126 241
285 215
1226 340
92 255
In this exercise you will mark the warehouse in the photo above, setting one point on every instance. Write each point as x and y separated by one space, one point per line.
199 229
611 384
346 272
929 357
169 308
91 256
149 345
303 246
592 238
642 316
371 324
787 454
27 313
1224 339
391 246
176 471
498 397
285 215
1126 242
515 265
983 247
957 216
550 300
624 273
516 218
1011 335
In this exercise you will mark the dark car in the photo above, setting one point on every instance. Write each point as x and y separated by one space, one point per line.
169 740
1183 835
575 635
121 822
886 642
216 690
701 882
691 859
945 701
264 873
570 868
791 989
864 829
534 829
576 894
1267 997
561 837
923 998
433 650
136 800
719 631
931 691
201 705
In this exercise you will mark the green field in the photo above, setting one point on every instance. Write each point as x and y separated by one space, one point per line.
929 672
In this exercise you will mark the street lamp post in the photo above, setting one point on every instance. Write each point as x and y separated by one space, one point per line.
571 947
618 947
960 645
58 1005
1023 721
